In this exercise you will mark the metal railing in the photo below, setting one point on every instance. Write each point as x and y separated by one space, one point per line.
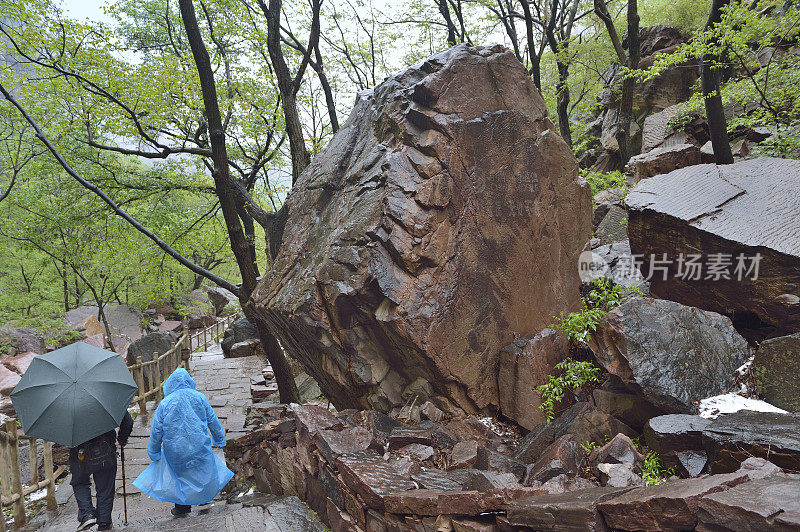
12 491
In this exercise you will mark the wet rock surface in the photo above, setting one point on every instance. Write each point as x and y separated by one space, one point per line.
621 269
21 340
524 365
662 160
670 506
445 216
732 438
766 504
582 420
572 511
146 346
729 210
678 440
776 369
637 342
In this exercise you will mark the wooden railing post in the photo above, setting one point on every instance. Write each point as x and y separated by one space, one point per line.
158 376
34 460
16 481
5 477
185 356
139 377
52 505
205 340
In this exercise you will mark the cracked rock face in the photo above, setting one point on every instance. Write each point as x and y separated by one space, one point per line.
444 217
748 208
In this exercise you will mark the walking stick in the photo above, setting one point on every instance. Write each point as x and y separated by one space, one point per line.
124 490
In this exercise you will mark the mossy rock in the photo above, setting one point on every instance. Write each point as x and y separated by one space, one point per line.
776 369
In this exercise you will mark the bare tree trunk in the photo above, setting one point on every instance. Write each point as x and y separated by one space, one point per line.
452 32
623 134
715 113
562 89
288 85
326 88
562 103
535 68
222 182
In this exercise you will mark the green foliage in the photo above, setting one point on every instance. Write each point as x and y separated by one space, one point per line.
653 470
764 88
579 326
575 375
589 446
604 296
687 15
600 181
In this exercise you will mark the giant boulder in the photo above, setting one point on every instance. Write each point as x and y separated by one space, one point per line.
740 223
444 217
670 353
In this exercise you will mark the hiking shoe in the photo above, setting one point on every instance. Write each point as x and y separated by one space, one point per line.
181 511
87 523
104 527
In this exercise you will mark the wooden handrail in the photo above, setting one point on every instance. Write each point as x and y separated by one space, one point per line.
12 492
159 367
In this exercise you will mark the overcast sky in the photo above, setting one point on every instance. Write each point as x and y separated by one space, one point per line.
85 9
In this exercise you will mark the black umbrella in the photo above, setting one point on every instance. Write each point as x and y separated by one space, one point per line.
73 394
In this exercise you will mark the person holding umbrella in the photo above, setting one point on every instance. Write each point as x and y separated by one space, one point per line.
77 396
97 458
185 471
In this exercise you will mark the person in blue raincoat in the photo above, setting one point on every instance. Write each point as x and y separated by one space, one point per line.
185 470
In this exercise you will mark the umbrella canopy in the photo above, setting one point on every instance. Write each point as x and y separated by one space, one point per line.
73 394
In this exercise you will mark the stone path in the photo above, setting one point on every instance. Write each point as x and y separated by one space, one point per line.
226 383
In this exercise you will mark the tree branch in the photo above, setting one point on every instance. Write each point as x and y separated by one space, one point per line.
121 213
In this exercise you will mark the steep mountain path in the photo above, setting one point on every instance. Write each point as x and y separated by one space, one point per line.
226 383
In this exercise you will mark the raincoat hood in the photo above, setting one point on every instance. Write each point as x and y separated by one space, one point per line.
179 380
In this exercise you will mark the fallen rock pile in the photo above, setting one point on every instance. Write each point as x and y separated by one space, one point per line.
365 471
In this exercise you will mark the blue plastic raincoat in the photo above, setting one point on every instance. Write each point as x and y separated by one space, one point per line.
186 471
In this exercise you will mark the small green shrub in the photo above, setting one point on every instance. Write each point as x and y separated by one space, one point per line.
574 376
579 326
589 446
604 296
653 470
600 181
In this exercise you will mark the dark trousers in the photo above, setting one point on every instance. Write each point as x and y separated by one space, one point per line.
105 474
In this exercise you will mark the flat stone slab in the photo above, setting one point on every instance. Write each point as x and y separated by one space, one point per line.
747 208
372 477
771 503
669 506
563 512
732 438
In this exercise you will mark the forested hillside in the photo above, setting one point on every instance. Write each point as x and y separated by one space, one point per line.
121 101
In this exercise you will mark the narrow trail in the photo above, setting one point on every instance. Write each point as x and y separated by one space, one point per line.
226 383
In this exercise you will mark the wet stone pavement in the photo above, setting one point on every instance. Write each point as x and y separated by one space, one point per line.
226 383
